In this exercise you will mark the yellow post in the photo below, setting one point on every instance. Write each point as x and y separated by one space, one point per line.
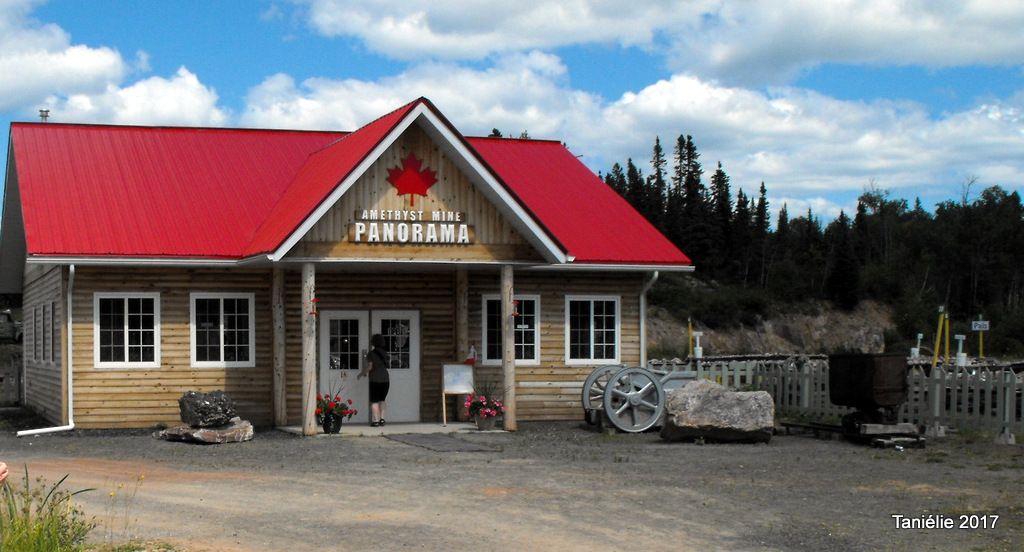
689 335
947 339
981 341
938 338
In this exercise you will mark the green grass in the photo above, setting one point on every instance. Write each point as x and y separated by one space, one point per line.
41 518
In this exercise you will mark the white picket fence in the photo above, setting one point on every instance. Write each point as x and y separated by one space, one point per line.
957 397
954 397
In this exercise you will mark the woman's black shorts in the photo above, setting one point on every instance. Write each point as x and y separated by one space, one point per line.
379 391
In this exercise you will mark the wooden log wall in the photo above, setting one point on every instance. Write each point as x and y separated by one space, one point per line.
43 306
144 397
551 390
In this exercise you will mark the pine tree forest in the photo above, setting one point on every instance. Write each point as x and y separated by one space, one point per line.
966 253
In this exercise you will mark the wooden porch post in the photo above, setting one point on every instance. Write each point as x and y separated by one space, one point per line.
508 349
308 349
277 306
461 314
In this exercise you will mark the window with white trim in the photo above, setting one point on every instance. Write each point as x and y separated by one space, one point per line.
592 329
526 324
47 332
127 330
29 334
54 333
37 317
223 330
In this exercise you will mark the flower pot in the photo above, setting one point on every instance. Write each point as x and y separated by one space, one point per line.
331 424
484 424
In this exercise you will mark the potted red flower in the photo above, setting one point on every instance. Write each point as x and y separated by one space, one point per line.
484 407
331 410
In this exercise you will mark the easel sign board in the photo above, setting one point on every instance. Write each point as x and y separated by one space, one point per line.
458 378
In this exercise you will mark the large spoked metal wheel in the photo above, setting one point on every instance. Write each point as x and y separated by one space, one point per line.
634 400
593 392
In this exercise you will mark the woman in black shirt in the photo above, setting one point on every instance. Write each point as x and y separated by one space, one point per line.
376 366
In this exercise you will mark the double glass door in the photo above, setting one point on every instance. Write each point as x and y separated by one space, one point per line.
344 342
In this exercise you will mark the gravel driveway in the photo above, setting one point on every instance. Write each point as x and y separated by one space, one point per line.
551 486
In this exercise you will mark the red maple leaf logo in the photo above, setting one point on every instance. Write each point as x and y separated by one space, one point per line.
410 179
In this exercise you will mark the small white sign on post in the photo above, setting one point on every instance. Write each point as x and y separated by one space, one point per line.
979 325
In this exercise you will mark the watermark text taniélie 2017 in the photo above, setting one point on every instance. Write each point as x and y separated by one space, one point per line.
943 521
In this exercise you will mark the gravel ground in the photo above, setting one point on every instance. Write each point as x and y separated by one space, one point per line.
550 486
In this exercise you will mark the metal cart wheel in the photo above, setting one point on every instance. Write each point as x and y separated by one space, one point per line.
634 400
593 390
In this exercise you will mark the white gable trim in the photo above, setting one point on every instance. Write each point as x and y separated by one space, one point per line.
520 219
493 191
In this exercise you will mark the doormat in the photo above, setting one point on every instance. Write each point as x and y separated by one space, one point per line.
439 442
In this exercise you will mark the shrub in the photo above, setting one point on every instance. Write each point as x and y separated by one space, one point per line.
41 518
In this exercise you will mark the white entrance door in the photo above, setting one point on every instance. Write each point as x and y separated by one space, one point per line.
344 341
401 331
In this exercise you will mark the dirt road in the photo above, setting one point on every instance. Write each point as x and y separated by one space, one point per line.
547 487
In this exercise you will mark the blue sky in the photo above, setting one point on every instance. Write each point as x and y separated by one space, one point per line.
818 99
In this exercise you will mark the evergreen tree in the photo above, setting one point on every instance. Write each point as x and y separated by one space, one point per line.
721 216
634 186
655 203
782 225
760 237
742 231
695 231
674 202
616 179
842 283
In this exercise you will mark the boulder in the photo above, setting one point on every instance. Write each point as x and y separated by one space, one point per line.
206 409
237 431
704 409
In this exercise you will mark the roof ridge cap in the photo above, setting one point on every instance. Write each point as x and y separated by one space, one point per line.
512 139
351 132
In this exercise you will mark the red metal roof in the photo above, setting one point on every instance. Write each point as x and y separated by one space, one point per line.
594 224
143 191
318 177
93 190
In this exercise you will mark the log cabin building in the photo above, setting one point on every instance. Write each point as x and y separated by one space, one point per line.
157 260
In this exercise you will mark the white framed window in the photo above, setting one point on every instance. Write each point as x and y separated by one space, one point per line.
527 329
223 330
47 332
40 332
29 334
54 333
126 330
592 329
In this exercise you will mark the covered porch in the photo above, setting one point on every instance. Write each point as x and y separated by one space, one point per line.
438 294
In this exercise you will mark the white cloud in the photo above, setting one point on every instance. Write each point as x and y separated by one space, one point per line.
520 92
471 30
731 40
823 209
753 42
38 59
799 142
179 100
41 67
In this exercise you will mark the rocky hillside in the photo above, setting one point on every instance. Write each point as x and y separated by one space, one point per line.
815 328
